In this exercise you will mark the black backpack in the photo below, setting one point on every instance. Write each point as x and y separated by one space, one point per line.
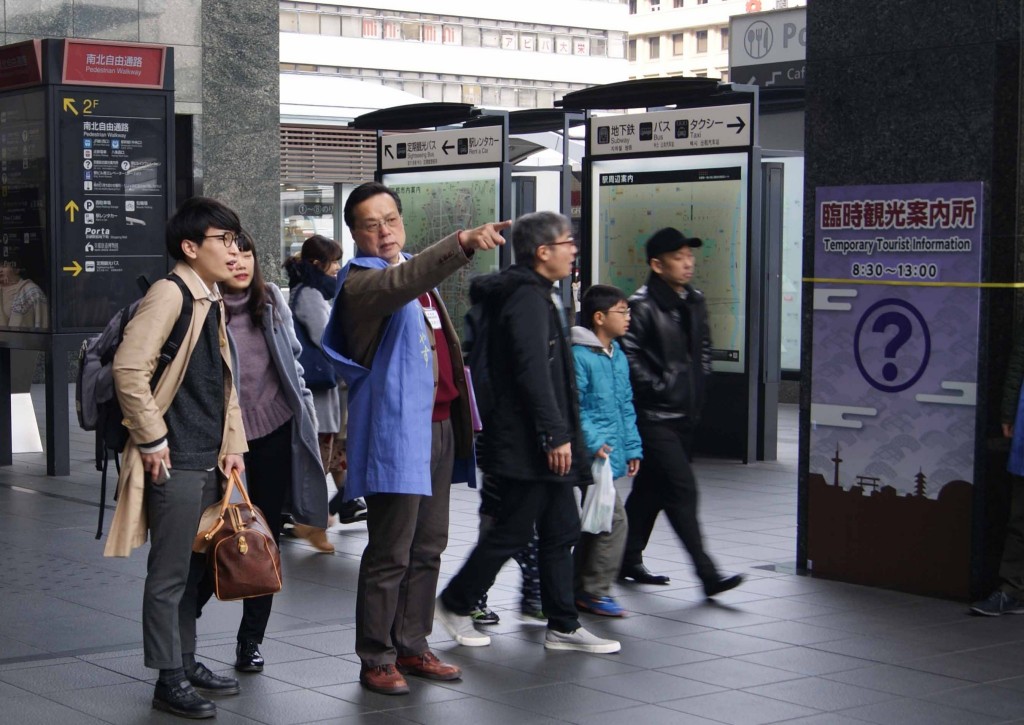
476 344
95 399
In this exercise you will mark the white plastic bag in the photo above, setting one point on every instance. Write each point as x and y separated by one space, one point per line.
599 501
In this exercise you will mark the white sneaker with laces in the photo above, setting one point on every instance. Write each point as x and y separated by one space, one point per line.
581 641
460 627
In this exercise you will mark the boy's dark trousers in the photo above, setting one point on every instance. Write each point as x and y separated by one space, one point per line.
666 483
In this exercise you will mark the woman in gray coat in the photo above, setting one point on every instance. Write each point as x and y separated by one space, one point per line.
283 463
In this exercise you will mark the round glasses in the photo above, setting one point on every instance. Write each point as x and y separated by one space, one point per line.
227 238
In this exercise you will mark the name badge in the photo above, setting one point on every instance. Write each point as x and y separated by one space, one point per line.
433 318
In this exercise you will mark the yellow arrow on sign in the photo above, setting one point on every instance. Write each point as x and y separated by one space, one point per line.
69 105
75 269
71 207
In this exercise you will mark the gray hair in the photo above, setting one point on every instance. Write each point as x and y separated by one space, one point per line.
534 230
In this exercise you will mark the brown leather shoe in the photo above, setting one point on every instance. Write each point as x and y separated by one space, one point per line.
384 679
427 665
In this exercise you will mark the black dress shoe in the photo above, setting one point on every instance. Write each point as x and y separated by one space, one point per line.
352 511
639 574
181 699
723 584
210 684
248 657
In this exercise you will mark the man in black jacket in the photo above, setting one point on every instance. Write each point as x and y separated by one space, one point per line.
535 450
669 351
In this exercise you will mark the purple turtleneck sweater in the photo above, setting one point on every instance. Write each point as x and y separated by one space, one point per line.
264 407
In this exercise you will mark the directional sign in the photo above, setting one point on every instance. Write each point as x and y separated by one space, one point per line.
433 149
113 185
689 129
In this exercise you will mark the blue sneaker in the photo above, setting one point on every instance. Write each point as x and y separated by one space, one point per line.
604 606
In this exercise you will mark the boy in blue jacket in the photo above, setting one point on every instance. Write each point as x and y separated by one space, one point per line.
609 431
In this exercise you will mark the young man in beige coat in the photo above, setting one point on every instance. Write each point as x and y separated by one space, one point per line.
185 435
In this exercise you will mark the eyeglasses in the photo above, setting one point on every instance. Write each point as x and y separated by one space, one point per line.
375 225
570 240
227 238
625 313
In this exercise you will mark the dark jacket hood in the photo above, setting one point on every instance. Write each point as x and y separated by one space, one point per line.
496 287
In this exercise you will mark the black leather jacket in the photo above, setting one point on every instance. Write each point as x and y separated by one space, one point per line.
669 351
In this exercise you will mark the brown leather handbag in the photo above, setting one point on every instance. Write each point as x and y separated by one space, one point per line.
243 557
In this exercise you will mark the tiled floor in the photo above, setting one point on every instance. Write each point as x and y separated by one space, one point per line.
782 648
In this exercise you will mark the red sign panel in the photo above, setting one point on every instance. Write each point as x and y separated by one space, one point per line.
20 65
130 65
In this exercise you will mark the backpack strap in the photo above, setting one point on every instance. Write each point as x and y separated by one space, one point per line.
177 336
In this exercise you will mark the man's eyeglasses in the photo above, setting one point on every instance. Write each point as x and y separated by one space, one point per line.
626 312
570 240
227 238
375 225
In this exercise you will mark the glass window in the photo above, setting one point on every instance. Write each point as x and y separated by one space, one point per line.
289 21
563 45
677 3
616 44
471 93
509 41
433 91
431 33
581 46
702 41
546 43
309 23
599 47
725 38
392 30
452 35
330 25
371 28
305 210
545 98
411 31
528 42
631 49
490 95
452 93
490 38
632 7
508 97
654 47
470 36
678 40
351 26
527 98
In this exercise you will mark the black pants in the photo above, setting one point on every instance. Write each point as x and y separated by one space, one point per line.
526 504
268 471
666 483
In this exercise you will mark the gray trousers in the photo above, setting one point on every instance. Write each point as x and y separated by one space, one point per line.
173 571
598 557
399 568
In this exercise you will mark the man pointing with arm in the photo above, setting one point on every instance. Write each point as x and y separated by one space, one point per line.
409 426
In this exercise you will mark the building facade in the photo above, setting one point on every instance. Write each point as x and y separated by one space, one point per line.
686 37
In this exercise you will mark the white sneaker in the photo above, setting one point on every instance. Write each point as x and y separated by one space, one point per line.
460 627
581 640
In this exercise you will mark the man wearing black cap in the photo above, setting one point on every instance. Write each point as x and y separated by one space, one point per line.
669 350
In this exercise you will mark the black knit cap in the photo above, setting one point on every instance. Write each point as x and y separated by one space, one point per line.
669 240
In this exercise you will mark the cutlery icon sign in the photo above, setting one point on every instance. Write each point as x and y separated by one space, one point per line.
758 40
